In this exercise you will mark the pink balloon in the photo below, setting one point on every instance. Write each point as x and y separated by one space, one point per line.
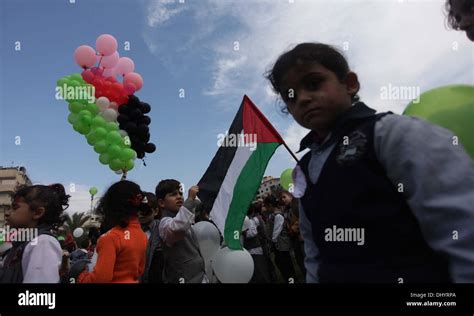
106 44
110 61
124 66
130 88
85 56
133 78
110 72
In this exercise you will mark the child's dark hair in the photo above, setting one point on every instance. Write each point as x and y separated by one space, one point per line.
270 200
453 19
152 200
119 203
52 197
255 209
305 53
165 187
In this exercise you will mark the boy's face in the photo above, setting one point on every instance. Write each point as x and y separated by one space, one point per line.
145 217
315 97
463 11
172 201
20 215
286 199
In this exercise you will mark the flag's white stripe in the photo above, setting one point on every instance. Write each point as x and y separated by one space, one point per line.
222 202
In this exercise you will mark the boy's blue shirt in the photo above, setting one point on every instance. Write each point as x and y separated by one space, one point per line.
438 184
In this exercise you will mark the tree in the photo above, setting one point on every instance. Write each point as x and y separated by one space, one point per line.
75 221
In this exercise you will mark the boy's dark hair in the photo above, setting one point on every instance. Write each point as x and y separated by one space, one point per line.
255 208
270 200
323 54
117 205
152 200
84 243
52 197
165 187
452 19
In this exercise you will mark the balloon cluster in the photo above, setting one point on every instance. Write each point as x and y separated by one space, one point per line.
104 135
133 120
95 113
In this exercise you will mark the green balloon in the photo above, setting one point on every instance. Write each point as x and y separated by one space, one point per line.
129 164
77 77
92 108
76 107
61 82
85 112
116 164
114 137
127 154
86 120
286 180
84 129
98 121
91 138
72 118
104 158
93 191
74 83
114 151
100 132
112 126
451 107
100 147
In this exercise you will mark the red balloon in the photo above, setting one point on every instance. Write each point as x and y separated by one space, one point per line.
87 75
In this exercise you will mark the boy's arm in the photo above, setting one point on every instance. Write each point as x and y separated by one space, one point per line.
311 260
173 229
438 183
278 226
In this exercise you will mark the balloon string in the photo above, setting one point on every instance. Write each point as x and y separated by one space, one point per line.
98 66
144 163
124 175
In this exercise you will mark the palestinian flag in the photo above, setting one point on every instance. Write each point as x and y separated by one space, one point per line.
232 179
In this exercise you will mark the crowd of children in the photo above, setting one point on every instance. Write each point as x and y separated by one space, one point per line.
348 180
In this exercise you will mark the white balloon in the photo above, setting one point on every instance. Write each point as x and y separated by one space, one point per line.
208 238
113 105
233 266
78 232
103 103
110 115
123 133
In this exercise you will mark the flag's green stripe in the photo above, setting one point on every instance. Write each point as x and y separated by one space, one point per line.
245 190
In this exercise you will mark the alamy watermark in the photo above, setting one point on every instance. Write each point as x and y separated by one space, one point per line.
9 234
67 92
345 234
405 93
237 140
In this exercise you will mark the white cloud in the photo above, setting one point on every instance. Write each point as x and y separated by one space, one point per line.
402 43
160 11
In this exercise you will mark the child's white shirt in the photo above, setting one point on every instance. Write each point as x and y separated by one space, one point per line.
41 260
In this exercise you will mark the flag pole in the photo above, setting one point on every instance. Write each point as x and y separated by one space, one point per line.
291 153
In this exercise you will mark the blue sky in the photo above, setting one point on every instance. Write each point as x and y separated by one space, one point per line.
191 46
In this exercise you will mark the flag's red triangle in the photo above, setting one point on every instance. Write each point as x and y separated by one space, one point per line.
256 123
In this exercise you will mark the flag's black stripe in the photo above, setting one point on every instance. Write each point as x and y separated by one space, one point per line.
211 181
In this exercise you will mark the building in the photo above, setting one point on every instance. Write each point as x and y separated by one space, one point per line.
10 178
268 185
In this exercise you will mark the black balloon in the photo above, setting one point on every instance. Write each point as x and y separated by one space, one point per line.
135 123
150 148
123 119
146 108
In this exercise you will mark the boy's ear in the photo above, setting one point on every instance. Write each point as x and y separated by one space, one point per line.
38 213
161 203
352 83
